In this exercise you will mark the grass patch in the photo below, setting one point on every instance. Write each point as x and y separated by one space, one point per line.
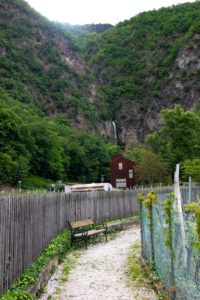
135 268
68 264
128 219
143 274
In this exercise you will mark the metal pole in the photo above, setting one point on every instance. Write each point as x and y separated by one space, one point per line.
190 189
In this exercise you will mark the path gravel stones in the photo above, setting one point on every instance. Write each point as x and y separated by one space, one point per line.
100 273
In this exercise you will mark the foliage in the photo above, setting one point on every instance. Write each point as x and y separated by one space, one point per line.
135 153
87 28
151 199
18 295
133 61
32 145
179 137
36 182
34 66
57 248
151 168
195 208
168 207
140 198
148 201
144 274
191 168
135 269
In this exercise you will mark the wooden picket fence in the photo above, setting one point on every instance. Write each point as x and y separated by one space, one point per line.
29 222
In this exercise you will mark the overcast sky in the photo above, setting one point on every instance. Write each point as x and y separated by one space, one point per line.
96 11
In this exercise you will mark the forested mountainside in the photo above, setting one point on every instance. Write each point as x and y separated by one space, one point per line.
46 94
41 65
56 79
147 63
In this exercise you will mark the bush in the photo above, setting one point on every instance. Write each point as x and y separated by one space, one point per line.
36 182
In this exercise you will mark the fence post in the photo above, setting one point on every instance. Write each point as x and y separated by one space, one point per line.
178 203
173 289
141 227
190 188
150 201
152 235
168 215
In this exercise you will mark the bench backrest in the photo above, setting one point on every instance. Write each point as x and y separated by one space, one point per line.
82 223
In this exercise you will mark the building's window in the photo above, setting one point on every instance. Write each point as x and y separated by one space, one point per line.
120 166
130 173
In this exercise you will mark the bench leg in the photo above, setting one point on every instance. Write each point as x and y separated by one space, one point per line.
85 241
85 238
106 236
71 241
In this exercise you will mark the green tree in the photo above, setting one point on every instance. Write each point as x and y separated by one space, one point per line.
179 137
7 168
135 154
152 169
15 146
47 158
191 168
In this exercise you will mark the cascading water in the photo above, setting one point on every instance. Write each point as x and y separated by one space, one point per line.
115 132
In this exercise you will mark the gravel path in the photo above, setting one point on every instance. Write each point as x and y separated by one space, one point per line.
100 272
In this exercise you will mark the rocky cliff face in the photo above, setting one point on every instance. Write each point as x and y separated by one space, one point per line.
181 87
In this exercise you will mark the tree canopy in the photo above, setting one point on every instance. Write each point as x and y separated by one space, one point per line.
179 137
31 144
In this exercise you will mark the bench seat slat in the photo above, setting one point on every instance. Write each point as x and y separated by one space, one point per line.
90 232
93 232
81 223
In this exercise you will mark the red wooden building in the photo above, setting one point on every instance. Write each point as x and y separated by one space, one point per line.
123 173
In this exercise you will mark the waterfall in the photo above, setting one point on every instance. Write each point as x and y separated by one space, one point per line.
115 132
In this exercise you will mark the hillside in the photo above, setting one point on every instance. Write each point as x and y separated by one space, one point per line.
145 64
41 65
47 93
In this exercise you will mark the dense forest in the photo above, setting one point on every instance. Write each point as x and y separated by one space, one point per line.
33 146
61 86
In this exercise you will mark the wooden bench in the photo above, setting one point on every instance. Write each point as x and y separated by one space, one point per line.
85 229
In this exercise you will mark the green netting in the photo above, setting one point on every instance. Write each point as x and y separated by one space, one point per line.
179 270
161 252
186 259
